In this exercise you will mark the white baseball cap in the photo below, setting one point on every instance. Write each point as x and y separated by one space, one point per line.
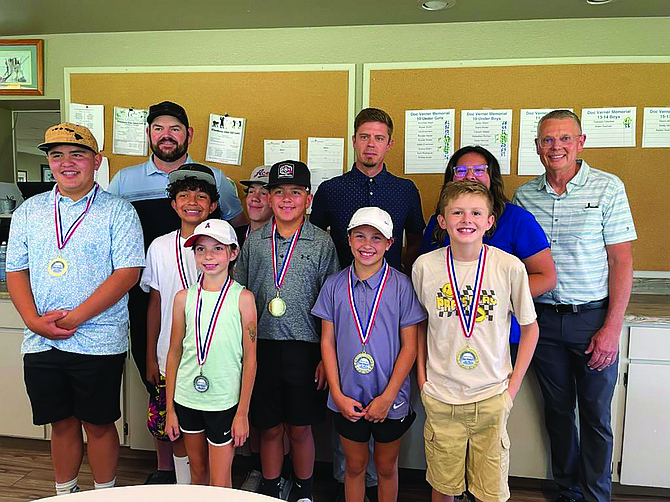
220 230
258 176
375 217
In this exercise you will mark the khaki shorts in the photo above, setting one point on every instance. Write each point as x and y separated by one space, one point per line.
468 441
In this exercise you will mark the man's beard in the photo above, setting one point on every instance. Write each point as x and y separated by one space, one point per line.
175 154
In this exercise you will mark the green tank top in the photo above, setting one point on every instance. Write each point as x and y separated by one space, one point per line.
223 366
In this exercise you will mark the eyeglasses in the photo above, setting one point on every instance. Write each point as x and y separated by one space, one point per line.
478 171
549 141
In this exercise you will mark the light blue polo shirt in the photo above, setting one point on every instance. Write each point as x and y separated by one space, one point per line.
108 238
145 182
591 214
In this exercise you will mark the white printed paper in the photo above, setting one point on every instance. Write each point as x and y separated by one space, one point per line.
529 161
91 116
276 150
102 174
225 140
491 129
656 128
130 131
429 140
325 159
609 127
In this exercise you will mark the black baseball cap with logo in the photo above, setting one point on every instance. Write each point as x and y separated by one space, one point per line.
167 108
289 172
193 170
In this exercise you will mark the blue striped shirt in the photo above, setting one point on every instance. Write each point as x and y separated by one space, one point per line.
591 214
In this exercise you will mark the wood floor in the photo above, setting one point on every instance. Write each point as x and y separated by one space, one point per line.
25 474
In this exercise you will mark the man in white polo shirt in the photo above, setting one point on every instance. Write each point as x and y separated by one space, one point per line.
586 217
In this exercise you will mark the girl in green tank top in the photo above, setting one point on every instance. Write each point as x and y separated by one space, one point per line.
211 364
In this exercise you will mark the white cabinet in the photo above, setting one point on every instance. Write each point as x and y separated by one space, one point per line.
645 460
16 415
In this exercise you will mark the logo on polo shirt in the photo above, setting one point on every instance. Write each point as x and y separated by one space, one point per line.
285 171
207 225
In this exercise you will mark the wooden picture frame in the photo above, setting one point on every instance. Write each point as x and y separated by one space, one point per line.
47 175
21 67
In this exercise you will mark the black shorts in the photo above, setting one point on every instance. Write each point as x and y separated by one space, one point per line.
285 391
63 384
383 432
217 425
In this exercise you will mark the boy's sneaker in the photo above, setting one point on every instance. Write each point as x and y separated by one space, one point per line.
161 478
253 481
285 486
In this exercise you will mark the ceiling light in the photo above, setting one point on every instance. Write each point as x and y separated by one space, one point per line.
437 4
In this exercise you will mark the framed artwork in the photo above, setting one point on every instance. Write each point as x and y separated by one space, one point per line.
21 176
47 175
22 67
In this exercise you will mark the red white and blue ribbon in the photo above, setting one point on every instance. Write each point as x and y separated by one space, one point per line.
181 268
63 238
467 322
364 334
202 345
281 274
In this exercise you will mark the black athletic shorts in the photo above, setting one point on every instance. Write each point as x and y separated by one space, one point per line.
217 425
285 391
63 384
360 431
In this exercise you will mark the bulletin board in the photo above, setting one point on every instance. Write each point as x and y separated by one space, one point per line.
278 102
578 83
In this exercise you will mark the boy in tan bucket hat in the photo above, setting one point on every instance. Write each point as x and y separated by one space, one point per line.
73 254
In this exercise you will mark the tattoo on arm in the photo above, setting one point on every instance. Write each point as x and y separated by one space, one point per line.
252 332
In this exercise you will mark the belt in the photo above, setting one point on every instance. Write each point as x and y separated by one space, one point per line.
567 308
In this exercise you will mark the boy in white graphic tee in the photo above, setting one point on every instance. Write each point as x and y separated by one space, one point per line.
464 370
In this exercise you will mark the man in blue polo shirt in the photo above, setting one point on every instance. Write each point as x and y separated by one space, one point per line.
144 186
370 184
585 214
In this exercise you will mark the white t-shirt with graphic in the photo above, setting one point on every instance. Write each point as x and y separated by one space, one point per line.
505 291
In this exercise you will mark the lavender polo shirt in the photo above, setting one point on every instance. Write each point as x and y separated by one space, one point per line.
398 308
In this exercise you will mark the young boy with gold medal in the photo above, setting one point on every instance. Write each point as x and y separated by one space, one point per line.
284 264
464 370
73 254
369 315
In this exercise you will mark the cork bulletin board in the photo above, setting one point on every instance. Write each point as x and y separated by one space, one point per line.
290 102
639 82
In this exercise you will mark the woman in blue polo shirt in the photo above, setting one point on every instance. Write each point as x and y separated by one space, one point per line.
515 229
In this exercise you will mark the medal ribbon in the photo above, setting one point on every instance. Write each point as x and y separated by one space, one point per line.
467 323
281 275
62 240
181 268
364 335
203 345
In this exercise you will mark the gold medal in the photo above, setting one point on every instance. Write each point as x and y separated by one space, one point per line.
467 358
277 306
364 363
58 266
